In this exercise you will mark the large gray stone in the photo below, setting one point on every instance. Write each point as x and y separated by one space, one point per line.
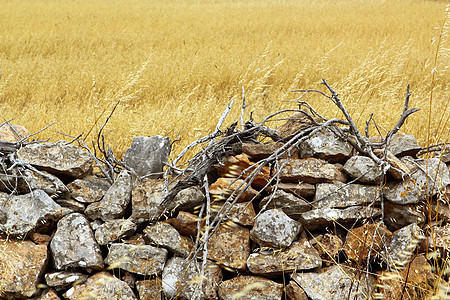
310 170
292 205
88 189
364 169
165 235
340 195
73 244
250 288
113 230
147 155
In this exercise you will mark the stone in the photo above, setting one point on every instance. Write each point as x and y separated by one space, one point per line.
224 187
143 260
363 169
14 134
185 223
340 195
310 170
436 210
113 230
149 289
115 201
25 214
300 256
325 144
294 291
229 246
257 152
181 281
137 239
60 159
401 144
398 170
299 189
22 264
165 235
240 213
145 198
297 122
73 244
292 205
71 204
336 282
397 216
250 288
417 188
101 286
187 199
273 228
39 238
50 294
328 246
88 189
147 155
441 239
64 279
323 217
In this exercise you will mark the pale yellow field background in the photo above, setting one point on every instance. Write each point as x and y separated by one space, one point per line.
176 64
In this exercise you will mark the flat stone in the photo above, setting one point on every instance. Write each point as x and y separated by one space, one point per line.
14 134
340 195
261 151
64 279
88 189
230 247
240 213
62 160
22 265
273 228
187 199
71 204
113 230
363 169
397 216
73 244
294 291
114 202
323 217
292 205
165 235
102 286
336 282
328 246
300 256
145 198
398 170
177 279
143 260
250 288
296 123
224 187
149 289
25 214
299 189
185 223
404 144
147 155
310 170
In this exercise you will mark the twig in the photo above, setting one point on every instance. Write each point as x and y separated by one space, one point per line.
244 106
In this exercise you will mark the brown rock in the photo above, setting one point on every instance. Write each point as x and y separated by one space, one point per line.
49 295
340 195
398 169
299 189
310 170
250 288
292 205
64 279
39 238
224 187
295 292
187 199
89 189
241 213
71 204
185 223
14 134
328 247
297 122
397 216
165 235
145 198
262 151
113 230
149 289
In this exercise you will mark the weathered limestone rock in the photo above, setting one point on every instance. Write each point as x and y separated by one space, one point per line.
328 247
250 288
398 169
240 213
335 282
364 169
295 292
165 235
143 260
260 151
297 122
437 210
14 134
300 256
310 170
89 189
230 247
176 277
73 244
115 201
62 160
299 189
397 216
292 205
325 144
147 155
113 230
187 199
71 204
146 196
64 279
149 289
323 217
185 223
340 195
49 294
26 213
38 238
22 264
401 144
273 228
102 286
224 187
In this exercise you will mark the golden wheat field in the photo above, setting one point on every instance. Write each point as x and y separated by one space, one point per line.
175 65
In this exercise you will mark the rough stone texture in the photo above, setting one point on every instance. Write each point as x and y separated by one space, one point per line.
364 169
26 213
310 170
299 189
250 288
323 217
149 289
71 204
113 230
145 198
143 260
73 244
397 216
437 210
62 160
89 189
295 292
50 294
300 256
240 213
224 187
114 202
165 235
261 151
185 223
292 205
416 189
328 247
147 155
64 279
13 134
325 144
297 122
176 276
38 238
364 240
335 282
442 239
398 169
101 286
339 195
230 247
187 199
401 144
273 228
22 264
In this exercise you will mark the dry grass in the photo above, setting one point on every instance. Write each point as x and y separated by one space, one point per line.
176 65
